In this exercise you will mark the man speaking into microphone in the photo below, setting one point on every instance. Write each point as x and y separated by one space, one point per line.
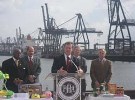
65 63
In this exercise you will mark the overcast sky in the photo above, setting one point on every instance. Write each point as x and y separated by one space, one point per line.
27 14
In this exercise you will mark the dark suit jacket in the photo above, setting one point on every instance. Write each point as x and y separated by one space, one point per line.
82 64
100 72
35 69
60 62
9 67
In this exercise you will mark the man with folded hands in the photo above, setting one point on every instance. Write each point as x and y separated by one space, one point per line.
100 71
17 73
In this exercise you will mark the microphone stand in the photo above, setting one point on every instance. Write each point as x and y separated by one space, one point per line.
74 65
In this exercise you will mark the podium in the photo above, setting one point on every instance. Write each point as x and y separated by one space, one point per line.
67 87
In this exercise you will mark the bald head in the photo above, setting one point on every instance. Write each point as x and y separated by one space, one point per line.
30 51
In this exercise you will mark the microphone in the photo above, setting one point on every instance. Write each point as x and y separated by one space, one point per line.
74 64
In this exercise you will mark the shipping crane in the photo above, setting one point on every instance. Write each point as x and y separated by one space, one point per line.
119 38
52 34
81 33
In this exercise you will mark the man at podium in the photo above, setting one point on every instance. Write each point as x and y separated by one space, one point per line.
66 63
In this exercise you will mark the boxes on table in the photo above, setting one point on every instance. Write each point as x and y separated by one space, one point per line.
120 91
112 88
30 88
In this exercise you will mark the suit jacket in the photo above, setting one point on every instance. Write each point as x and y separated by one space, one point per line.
35 69
9 67
61 62
82 64
100 71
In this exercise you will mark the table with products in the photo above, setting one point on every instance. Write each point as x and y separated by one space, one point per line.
108 97
25 96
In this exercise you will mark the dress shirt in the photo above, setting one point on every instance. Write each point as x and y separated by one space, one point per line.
66 57
16 61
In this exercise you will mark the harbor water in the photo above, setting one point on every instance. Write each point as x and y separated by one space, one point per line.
123 74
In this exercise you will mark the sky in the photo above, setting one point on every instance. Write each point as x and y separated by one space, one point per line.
27 14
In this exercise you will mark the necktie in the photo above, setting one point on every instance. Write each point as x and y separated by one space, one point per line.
30 62
68 63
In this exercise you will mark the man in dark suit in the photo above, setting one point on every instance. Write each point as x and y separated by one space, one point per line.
82 67
12 66
100 71
32 65
60 64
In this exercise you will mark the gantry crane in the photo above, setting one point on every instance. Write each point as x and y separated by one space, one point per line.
52 34
81 33
51 38
119 38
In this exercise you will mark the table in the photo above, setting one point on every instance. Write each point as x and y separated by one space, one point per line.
22 96
125 97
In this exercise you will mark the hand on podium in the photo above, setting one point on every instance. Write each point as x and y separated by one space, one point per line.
80 72
62 72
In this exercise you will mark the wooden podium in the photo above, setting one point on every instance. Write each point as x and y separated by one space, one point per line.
67 87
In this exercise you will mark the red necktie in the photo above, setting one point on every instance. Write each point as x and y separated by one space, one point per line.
30 62
68 63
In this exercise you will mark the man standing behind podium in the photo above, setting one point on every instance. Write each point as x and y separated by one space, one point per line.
32 65
65 63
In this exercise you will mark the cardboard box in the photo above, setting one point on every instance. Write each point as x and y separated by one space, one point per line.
30 88
112 88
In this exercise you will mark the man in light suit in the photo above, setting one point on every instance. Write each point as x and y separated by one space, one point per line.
12 66
100 71
32 65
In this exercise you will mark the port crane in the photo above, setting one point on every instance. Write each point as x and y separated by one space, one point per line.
7 45
51 35
81 33
119 38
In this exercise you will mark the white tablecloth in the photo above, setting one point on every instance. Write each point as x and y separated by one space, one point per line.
125 97
23 96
